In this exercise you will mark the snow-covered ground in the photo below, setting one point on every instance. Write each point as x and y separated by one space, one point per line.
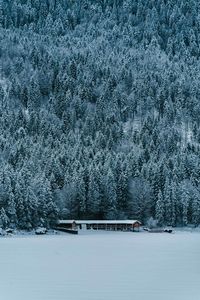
101 266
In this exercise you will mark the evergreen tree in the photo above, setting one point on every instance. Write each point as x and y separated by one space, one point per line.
94 194
160 209
11 210
196 208
4 218
185 205
110 196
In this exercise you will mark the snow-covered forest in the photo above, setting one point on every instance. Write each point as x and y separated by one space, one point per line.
99 110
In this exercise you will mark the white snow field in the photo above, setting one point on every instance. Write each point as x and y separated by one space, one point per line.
101 266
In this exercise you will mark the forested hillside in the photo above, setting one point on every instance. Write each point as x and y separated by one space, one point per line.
99 110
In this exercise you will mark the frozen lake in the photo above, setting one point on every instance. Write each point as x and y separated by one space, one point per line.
101 266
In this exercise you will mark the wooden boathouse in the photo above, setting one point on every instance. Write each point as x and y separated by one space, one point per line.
114 225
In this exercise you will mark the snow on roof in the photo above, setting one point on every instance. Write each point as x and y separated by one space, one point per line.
99 221
65 221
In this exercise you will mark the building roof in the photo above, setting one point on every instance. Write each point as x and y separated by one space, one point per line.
99 222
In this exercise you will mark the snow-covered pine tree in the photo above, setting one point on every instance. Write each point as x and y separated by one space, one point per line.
160 209
4 220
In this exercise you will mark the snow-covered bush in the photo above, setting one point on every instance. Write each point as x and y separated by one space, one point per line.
41 230
152 223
